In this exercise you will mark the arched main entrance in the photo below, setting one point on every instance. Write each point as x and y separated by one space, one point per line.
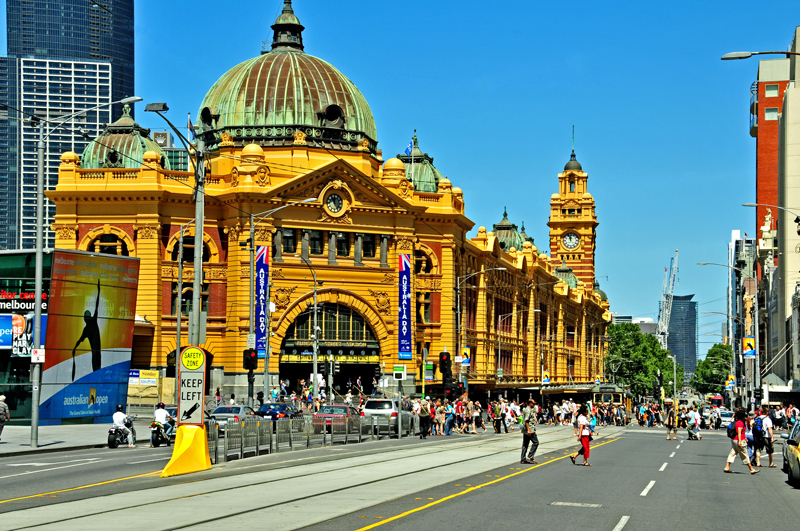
345 337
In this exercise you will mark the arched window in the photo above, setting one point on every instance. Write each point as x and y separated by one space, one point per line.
422 262
339 325
186 298
188 250
109 244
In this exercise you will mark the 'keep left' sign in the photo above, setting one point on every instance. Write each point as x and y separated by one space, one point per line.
192 385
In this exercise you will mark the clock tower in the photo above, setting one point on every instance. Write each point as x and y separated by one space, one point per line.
573 222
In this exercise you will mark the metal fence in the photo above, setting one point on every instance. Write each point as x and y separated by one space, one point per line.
252 437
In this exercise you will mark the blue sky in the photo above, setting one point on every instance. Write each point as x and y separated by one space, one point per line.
493 90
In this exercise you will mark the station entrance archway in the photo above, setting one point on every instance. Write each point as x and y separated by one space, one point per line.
344 337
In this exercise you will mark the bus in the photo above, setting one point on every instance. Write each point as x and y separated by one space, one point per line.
714 400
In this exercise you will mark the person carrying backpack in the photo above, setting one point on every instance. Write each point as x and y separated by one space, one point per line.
736 432
764 438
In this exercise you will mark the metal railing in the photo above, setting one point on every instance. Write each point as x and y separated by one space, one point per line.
251 437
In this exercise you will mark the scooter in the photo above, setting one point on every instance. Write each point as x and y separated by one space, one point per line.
117 437
158 435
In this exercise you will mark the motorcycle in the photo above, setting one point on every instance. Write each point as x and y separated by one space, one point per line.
117 437
158 435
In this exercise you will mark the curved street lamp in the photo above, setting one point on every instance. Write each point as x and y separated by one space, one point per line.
745 55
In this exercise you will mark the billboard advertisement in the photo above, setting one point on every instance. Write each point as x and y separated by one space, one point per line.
262 299
404 309
89 337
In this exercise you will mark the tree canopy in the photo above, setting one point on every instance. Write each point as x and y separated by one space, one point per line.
711 373
637 358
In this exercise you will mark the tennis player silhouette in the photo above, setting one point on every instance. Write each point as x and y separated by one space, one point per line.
91 332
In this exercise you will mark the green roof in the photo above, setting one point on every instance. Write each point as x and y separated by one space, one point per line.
508 235
121 145
420 169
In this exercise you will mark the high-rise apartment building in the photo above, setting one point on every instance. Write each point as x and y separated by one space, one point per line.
62 57
682 339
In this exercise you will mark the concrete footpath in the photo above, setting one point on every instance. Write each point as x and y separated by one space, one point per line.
16 440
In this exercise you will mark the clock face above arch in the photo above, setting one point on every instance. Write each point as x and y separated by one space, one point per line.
571 240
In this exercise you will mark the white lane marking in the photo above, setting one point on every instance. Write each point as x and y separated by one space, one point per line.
672 454
662 467
647 488
621 524
51 464
573 504
677 447
49 469
151 460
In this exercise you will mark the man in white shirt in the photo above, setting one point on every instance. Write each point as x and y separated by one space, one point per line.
767 442
119 423
163 417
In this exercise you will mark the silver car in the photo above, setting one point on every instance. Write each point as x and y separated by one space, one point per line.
385 407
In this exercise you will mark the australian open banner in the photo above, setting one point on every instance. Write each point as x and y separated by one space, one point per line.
89 335
404 309
262 299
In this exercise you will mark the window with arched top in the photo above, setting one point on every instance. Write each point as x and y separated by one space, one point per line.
422 262
186 296
109 244
188 250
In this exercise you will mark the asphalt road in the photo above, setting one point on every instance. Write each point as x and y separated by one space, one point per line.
638 480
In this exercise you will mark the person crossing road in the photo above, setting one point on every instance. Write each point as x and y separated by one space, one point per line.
529 434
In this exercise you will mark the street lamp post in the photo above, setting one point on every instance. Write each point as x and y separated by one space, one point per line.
459 281
38 274
757 361
316 329
179 309
252 249
741 344
499 321
206 117
745 55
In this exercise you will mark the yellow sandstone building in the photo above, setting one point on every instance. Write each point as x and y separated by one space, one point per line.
288 126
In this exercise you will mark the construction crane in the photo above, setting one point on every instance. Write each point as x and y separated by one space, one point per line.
667 291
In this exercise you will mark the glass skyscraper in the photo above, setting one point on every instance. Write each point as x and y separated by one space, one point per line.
62 57
682 338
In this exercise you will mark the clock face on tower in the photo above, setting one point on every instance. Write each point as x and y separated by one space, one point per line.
571 240
334 203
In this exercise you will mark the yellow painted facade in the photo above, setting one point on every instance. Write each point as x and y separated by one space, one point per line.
364 214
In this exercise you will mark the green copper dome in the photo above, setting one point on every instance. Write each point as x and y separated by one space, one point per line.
257 99
121 145
420 169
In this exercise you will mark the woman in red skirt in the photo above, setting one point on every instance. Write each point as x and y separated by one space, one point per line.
584 432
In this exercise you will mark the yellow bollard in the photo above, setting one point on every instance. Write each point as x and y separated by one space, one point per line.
190 453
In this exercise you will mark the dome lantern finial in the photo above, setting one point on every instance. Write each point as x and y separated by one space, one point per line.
288 32
573 163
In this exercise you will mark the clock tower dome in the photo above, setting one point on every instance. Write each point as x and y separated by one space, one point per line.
573 222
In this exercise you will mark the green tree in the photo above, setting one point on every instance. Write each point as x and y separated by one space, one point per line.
711 373
637 358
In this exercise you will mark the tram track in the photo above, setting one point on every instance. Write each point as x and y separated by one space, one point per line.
334 463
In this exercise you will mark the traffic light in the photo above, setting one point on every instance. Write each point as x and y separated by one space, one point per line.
250 359
336 367
460 388
378 371
758 394
444 364
323 369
